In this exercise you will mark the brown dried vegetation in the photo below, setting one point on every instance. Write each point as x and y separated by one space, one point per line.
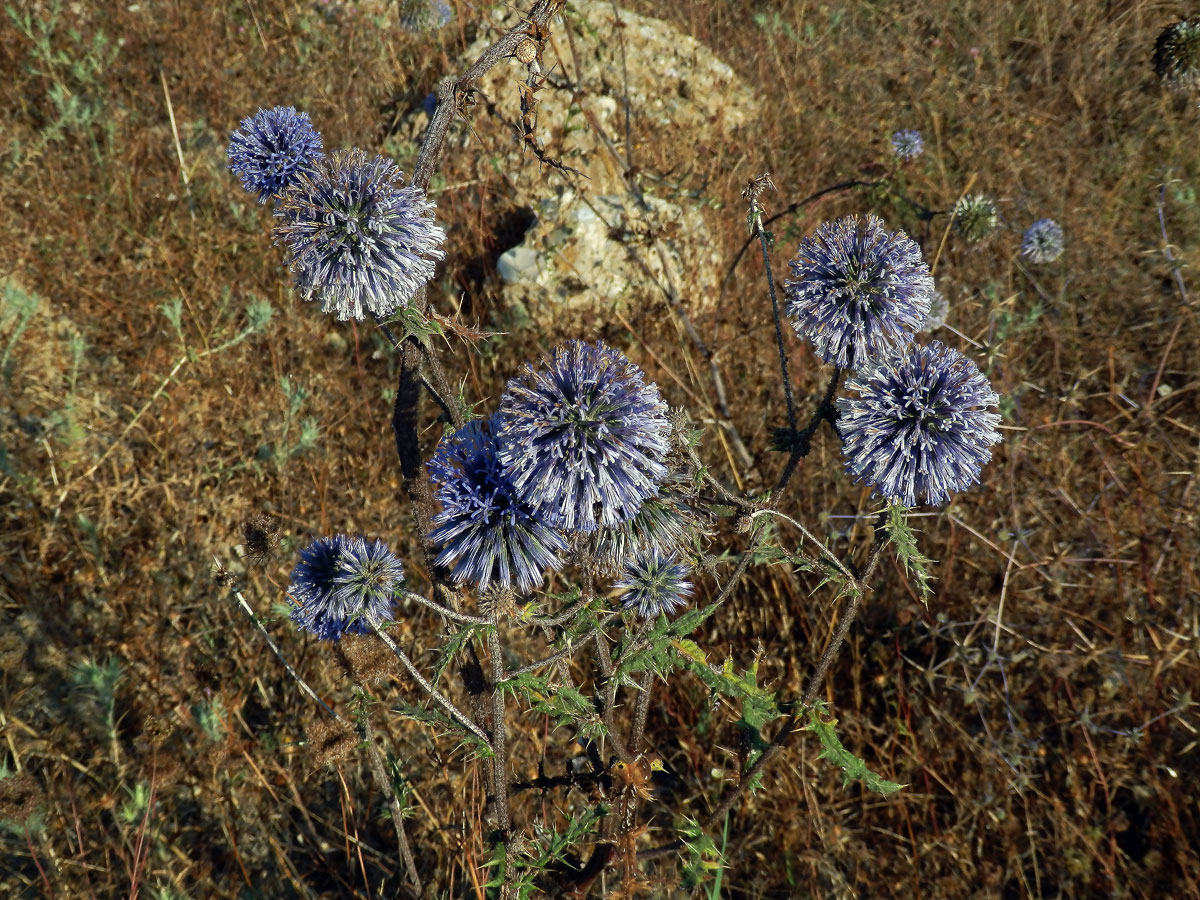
1038 710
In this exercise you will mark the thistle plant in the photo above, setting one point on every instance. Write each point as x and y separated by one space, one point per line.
857 290
565 536
975 217
1042 241
342 584
919 427
487 531
907 144
1177 55
584 436
272 149
654 584
357 239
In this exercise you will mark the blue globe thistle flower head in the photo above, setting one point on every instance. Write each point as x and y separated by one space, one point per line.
857 290
975 216
1042 241
907 144
271 150
666 523
654 582
424 15
487 533
357 239
1177 55
919 427
584 436
342 584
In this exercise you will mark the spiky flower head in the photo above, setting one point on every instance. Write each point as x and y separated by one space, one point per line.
939 310
1177 55
654 582
975 217
907 144
487 533
666 523
858 290
342 584
919 427
424 15
584 436
357 239
1043 241
271 149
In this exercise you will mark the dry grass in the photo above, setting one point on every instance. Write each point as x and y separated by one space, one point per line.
1049 751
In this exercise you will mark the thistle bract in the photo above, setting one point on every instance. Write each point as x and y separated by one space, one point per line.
356 238
919 427
1177 55
654 582
271 149
584 437
975 217
1042 242
487 534
907 144
857 290
342 584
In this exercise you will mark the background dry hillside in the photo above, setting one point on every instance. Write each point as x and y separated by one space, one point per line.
1050 750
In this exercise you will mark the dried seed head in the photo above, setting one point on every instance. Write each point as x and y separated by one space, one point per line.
330 740
755 187
367 658
526 51
260 534
1177 56
156 729
222 576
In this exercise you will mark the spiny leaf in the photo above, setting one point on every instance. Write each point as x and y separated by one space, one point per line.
853 768
451 648
443 723
916 564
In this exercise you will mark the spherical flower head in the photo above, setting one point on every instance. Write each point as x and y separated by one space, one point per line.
272 149
584 436
666 523
424 15
1177 55
653 583
357 239
919 427
858 290
343 584
907 144
488 534
939 311
1043 241
975 217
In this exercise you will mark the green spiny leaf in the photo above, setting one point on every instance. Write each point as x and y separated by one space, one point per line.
916 564
853 768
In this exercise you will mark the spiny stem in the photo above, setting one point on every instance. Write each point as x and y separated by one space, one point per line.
278 653
764 242
784 735
434 694
499 748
